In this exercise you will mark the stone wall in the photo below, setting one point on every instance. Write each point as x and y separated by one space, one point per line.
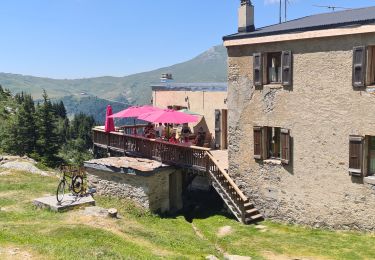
151 192
321 110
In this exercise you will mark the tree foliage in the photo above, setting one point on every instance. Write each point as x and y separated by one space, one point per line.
43 131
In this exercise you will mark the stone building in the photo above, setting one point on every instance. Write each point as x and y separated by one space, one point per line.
301 106
151 184
206 99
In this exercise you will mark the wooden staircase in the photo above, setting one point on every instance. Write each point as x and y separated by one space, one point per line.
233 197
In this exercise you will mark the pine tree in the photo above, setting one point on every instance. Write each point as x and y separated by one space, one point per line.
26 128
48 140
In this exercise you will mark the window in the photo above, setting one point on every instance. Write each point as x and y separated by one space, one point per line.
362 155
176 107
371 65
271 143
272 68
274 148
363 66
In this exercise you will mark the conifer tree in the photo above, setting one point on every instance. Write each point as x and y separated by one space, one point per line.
25 124
48 141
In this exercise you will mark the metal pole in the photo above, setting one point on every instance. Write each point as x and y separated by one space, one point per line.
285 2
280 12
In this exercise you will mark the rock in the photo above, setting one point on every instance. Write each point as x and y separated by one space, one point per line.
236 257
260 227
112 213
223 231
211 257
23 166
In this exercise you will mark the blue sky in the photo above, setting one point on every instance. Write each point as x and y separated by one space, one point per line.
86 38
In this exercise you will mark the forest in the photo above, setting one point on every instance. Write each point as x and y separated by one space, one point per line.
42 131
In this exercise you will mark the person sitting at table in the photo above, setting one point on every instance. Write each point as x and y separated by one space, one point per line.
178 132
173 139
185 132
201 136
149 131
160 130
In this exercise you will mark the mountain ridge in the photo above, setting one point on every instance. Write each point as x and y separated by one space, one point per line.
91 95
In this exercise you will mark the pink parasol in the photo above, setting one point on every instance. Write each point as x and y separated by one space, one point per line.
168 116
109 123
134 111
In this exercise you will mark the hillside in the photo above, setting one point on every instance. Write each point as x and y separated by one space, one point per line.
90 105
209 66
30 233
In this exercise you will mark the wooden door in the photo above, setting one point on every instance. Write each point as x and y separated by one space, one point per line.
224 129
217 128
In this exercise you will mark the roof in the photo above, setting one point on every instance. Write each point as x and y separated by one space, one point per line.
208 87
127 165
330 20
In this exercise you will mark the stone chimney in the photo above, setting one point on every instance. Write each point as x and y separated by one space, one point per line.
246 17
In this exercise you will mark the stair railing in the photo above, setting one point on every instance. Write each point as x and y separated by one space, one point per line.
227 185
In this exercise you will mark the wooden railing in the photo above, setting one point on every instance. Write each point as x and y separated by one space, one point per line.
165 152
183 156
227 186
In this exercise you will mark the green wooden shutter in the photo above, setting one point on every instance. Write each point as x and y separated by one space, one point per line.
285 146
286 68
258 142
258 69
359 66
356 155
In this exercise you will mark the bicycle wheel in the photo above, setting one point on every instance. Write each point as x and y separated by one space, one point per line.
60 191
77 184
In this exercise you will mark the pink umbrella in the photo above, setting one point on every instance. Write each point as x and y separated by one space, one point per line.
109 123
168 116
134 111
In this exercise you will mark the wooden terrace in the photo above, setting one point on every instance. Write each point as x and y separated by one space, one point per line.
180 155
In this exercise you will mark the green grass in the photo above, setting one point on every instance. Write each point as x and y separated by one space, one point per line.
142 235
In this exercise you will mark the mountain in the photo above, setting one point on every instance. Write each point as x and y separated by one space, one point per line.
79 95
91 105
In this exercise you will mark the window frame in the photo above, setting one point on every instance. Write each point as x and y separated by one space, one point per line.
268 61
271 140
370 72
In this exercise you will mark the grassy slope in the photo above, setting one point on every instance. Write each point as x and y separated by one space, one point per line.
47 235
210 66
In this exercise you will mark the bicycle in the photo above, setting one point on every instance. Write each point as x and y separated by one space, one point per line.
76 185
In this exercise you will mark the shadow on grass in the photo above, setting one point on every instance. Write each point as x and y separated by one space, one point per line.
200 204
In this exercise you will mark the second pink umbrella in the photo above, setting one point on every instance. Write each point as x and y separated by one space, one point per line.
168 116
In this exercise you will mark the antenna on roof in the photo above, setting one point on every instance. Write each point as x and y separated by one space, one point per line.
286 2
333 8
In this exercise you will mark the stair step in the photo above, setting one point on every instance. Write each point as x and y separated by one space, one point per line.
249 205
254 218
251 212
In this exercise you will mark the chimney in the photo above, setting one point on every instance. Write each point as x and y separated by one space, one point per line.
246 17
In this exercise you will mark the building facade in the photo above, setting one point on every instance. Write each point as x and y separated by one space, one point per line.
209 100
301 105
